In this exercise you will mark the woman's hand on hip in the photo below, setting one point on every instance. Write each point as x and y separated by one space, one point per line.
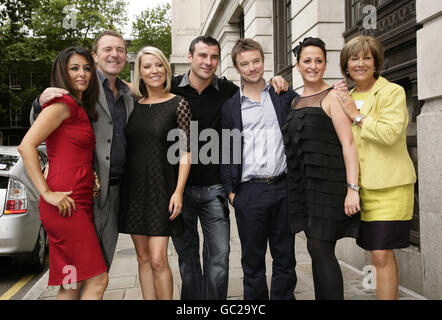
61 200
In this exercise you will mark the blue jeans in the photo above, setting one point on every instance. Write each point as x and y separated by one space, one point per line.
209 204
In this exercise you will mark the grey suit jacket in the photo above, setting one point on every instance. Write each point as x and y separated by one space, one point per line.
103 129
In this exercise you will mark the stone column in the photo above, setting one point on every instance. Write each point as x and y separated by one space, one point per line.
429 136
323 19
258 25
228 38
185 27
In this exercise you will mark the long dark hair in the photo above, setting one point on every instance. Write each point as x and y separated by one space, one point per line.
60 79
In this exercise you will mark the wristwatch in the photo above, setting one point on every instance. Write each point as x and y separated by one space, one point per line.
353 186
358 119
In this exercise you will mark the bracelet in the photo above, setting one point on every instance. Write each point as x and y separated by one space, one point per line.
354 187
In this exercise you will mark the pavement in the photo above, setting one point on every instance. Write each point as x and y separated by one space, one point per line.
124 283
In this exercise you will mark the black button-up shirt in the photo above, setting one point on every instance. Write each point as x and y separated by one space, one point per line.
206 110
117 109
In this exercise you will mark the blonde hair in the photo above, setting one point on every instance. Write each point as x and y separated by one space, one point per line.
139 86
364 43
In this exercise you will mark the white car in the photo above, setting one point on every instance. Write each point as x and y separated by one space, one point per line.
21 231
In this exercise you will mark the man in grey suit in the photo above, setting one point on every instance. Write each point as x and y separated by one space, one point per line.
113 107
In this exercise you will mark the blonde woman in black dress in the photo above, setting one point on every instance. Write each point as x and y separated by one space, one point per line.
323 170
152 187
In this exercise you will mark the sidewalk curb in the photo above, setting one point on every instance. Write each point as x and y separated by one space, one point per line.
401 288
36 291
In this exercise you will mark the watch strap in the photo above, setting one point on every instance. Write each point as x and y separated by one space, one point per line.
353 186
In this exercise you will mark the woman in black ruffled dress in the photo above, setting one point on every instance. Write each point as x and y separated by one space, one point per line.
323 170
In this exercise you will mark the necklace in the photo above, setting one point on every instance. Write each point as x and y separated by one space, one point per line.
145 103
150 103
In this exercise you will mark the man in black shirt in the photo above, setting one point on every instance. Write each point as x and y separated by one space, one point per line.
205 197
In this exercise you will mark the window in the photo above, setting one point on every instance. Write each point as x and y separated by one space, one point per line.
33 80
15 117
14 81
282 30
43 159
14 140
288 7
241 26
356 11
7 162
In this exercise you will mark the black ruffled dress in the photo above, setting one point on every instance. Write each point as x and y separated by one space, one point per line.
316 173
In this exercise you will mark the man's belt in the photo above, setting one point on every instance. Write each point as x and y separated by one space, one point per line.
268 180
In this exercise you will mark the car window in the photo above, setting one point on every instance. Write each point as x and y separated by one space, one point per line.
7 161
4 182
43 159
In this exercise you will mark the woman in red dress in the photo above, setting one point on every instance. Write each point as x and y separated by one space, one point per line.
75 257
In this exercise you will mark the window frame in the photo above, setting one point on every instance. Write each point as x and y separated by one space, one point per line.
282 23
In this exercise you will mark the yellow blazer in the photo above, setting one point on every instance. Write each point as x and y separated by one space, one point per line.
381 142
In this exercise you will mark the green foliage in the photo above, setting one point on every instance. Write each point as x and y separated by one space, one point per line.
125 73
152 27
33 32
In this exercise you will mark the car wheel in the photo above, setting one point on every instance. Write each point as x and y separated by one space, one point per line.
39 254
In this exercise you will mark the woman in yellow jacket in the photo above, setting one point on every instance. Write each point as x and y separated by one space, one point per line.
379 113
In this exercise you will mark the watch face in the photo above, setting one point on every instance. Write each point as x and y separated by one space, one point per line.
358 119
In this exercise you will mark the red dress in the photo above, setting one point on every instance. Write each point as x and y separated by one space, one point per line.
74 250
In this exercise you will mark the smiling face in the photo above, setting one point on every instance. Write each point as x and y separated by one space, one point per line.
311 64
79 71
361 67
204 60
110 56
250 65
152 71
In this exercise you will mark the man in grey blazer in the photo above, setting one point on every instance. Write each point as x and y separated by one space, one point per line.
114 107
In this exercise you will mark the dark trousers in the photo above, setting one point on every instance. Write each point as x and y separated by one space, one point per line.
261 215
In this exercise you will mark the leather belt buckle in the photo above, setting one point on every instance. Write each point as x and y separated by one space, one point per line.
270 180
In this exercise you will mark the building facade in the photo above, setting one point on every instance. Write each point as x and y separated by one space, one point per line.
20 83
407 28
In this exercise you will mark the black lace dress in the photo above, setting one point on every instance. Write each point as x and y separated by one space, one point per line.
150 179
316 173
